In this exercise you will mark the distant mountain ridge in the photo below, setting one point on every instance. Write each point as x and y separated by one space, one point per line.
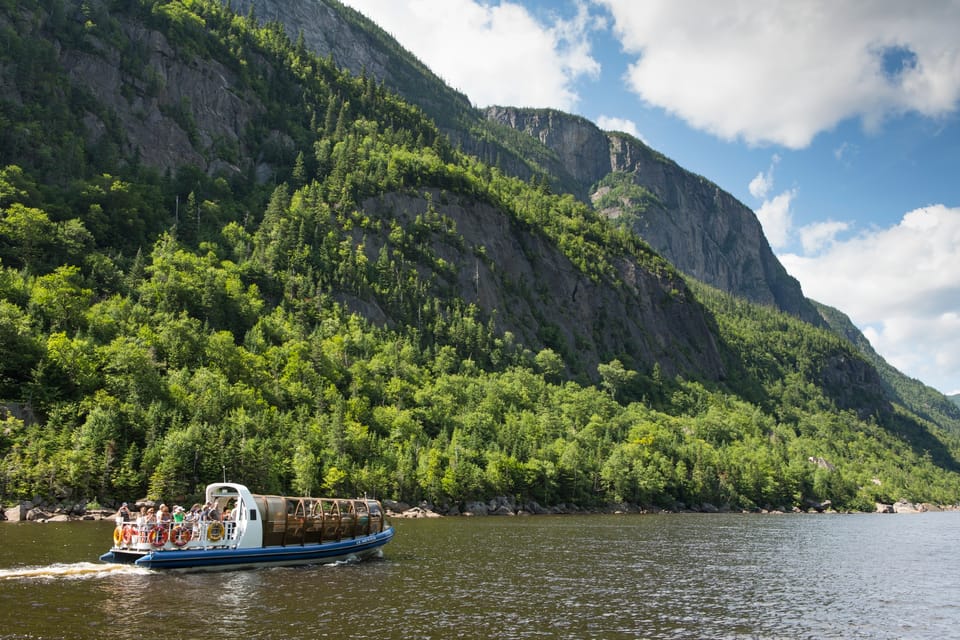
701 229
219 251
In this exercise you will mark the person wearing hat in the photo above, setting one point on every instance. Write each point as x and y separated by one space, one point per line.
123 513
178 514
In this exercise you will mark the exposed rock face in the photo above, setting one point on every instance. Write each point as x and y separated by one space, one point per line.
146 110
355 44
652 318
582 149
701 229
168 111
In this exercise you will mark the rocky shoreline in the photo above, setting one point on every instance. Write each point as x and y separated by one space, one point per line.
41 511
504 506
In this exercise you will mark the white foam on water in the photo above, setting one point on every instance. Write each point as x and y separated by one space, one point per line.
71 571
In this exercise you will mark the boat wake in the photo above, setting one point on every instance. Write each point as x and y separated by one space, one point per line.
73 571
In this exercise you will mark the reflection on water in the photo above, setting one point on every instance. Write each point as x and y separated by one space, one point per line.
683 576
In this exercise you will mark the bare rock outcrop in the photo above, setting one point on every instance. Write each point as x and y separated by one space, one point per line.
700 228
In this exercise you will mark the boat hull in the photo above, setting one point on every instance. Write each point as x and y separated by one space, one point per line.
220 559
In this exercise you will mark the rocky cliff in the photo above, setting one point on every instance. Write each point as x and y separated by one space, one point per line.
703 230
332 30
176 110
536 294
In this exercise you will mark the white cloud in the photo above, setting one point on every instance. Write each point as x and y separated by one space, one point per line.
761 185
900 286
782 72
777 219
774 214
819 235
619 124
845 151
495 53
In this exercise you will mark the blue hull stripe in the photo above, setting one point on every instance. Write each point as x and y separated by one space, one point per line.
211 558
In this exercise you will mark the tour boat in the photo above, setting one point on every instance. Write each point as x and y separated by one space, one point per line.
242 530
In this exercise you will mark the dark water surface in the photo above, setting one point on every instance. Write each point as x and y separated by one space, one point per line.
666 576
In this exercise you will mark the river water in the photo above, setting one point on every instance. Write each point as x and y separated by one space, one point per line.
729 576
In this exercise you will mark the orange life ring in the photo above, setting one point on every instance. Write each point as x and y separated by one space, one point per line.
158 536
117 536
215 531
127 534
180 535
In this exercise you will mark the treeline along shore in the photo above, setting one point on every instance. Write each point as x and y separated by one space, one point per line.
43 512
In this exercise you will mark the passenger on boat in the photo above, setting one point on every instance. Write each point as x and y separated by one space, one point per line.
178 515
194 514
163 516
123 513
210 512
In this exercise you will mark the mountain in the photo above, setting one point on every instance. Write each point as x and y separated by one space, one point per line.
701 229
354 43
223 253
704 231
908 392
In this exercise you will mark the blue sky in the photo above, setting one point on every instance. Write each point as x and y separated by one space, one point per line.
837 123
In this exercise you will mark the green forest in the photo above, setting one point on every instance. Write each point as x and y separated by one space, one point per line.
164 329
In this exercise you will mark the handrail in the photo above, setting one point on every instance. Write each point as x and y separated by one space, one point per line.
160 535
296 520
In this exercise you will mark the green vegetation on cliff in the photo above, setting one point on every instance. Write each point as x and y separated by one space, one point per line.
159 329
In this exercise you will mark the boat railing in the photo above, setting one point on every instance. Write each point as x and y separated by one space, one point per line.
175 535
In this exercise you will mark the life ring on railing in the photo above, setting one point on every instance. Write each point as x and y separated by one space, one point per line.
180 535
158 536
215 531
117 536
127 534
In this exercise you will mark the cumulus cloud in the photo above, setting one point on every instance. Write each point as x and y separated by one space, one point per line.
899 285
774 214
780 72
819 235
625 125
777 219
761 185
495 53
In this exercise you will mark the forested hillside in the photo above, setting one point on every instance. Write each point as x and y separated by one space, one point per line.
222 255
